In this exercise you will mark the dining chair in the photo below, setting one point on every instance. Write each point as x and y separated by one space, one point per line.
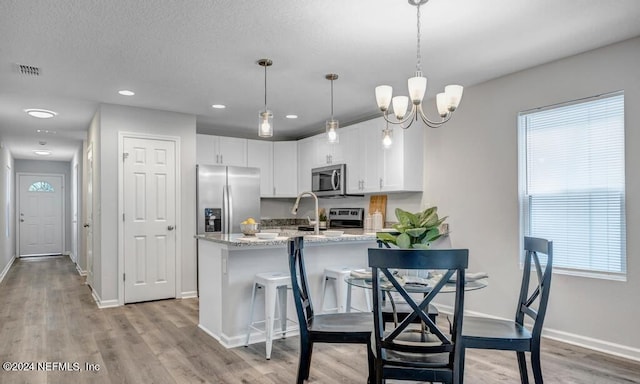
506 335
348 328
400 310
405 353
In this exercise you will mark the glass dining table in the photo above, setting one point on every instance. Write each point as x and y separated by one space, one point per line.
420 282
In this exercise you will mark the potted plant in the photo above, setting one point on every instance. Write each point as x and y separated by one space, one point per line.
322 216
415 230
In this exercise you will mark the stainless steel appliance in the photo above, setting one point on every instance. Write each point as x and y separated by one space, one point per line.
225 197
346 217
329 181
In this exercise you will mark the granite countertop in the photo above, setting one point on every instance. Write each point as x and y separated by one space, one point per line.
240 240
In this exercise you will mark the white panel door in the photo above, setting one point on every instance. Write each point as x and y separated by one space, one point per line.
88 225
149 219
40 215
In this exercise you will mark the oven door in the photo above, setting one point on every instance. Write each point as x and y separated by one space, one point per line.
328 181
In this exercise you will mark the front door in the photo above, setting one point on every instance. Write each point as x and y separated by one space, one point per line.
149 219
40 214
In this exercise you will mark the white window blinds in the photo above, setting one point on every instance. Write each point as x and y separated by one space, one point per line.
572 182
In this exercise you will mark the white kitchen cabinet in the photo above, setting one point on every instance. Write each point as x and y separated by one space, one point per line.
371 168
221 150
260 155
306 155
278 163
285 169
327 153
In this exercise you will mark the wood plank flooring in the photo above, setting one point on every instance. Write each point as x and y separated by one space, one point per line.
47 314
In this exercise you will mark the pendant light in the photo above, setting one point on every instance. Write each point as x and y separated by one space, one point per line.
265 117
332 125
387 137
446 102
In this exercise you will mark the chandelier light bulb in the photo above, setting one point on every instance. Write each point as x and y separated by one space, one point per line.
417 87
383 96
454 95
442 102
400 104
332 135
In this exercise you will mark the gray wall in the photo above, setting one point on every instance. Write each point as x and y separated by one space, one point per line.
7 214
472 175
52 167
113 119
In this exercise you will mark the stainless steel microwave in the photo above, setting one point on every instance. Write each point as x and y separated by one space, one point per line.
329 181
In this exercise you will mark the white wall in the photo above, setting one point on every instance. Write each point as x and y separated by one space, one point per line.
7 210
471 173
112 120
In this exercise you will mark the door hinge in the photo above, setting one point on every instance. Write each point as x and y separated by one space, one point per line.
124 277
124 156
123 217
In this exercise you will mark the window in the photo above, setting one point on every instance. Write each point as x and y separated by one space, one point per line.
41 186
572 187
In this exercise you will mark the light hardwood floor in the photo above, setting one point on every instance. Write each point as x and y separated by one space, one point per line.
47 314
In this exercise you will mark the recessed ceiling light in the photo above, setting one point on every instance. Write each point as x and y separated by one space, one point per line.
41 113
291 116
218 106
126 92
42 152
46 131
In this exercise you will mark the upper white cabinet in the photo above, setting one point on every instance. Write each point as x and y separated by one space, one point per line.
221 150
306 159
327 153
371 168
260 155
278 166
285 169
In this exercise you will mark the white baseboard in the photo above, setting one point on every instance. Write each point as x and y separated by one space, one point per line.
6 269
103 303
189 295
569 338
81 272
239 340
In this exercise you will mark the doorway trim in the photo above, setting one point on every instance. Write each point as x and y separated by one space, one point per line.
64 212
122 135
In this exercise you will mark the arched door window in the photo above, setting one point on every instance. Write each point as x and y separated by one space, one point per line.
41 186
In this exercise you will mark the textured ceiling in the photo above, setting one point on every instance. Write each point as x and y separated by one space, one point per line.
184 56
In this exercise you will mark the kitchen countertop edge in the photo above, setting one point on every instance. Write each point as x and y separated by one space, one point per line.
239 240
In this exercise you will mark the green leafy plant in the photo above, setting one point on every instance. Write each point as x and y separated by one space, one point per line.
415 230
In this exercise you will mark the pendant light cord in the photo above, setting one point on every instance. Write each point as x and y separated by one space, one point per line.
265 87
331 99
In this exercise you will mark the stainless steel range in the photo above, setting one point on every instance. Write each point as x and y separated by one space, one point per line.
346 217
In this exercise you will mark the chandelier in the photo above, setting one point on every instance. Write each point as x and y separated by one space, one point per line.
446 102
265 117
332 125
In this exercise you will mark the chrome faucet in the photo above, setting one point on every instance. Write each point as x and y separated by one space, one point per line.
316 227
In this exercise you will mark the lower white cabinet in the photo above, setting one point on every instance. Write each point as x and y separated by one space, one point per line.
278 166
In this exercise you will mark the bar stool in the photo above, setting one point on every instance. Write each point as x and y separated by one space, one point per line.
275 285
337 275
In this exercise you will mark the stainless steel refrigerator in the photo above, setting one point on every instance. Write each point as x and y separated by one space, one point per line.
226 196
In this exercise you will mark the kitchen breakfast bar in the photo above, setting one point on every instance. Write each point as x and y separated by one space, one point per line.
227 265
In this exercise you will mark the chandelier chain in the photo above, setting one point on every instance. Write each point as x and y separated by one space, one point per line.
418 55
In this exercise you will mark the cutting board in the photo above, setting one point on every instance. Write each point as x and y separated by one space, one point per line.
378 203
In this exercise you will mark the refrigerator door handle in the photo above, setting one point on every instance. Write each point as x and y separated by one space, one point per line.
230 208
225 210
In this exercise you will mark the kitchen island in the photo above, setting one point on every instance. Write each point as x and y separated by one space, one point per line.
227 265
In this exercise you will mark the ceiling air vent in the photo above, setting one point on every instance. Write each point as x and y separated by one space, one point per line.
28 70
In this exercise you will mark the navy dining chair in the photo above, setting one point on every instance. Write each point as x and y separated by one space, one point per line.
410 353
348 328
507 335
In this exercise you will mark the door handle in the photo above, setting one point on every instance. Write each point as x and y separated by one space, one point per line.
171 227
86 225
22 220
